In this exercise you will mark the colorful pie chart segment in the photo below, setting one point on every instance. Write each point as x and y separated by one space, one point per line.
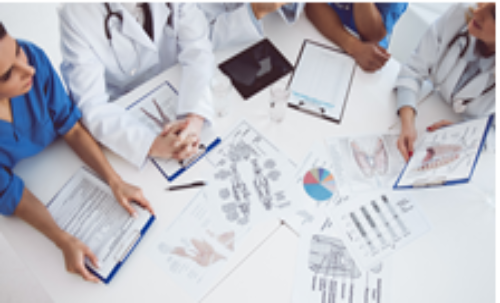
319 184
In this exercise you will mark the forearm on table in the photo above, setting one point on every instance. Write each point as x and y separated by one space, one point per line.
407 116
328 23
33 212
90 152
369 22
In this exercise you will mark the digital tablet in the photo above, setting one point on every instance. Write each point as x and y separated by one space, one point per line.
255 68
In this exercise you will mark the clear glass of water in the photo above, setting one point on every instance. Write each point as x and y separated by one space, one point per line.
280 93
221 89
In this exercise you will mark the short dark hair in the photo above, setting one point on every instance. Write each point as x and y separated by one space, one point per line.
3 32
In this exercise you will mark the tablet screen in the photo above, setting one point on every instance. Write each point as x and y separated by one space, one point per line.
255 68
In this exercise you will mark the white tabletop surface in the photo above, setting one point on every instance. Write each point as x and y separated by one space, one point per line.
454 262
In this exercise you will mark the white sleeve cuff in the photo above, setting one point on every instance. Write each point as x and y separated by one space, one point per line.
406 97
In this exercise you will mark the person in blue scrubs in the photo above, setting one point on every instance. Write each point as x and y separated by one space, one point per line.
34 111
363 30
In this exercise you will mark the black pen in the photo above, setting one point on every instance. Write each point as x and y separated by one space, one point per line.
189 185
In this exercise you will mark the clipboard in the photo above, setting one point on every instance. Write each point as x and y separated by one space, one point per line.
442 179
126 253
313 91
255 68
151 112
62 206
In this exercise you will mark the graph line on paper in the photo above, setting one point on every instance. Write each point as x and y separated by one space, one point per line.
387 225
395 215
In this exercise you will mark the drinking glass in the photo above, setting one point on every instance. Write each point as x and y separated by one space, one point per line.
280 93
221 89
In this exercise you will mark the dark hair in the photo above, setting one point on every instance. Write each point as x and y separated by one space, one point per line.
3 32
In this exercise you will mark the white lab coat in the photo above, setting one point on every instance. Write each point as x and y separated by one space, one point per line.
434 61
232 24
94 78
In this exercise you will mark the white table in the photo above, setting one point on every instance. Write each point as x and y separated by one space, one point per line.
452 263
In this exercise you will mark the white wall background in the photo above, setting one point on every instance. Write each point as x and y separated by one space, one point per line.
35 22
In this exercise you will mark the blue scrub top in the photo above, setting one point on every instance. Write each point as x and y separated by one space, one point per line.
390 13
39 117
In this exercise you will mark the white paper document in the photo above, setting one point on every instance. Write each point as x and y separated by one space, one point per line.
250 179
364 163
376 224
155 110
314 188
446 156
195 248
87 209
326 272
322 80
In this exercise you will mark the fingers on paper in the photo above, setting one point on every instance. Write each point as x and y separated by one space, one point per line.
405 146
80 269
142 201
438 125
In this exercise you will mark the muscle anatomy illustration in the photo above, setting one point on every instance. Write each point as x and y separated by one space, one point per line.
371 163
201 252
439 156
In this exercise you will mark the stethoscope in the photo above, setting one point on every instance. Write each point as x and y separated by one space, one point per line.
123 60
460 105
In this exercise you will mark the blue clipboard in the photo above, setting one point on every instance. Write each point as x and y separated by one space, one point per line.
449 182
117 267
129 250
181 166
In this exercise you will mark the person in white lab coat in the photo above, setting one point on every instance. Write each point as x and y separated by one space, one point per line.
241 23
109 49
457 54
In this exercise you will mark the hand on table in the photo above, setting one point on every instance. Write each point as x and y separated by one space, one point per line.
168 144
126 194
75 252
189 136
370 56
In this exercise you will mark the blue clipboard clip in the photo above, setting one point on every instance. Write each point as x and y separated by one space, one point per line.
438 181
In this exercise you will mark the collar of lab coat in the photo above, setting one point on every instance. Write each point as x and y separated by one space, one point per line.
485 64
482 80
134 31
160 13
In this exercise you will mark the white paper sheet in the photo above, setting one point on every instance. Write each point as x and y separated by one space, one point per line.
148 113
326 272
314 188
250 179
376 224
322 79
364 163
195 248
448 154
87 209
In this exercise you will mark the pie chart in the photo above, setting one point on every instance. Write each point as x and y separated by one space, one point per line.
319 184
